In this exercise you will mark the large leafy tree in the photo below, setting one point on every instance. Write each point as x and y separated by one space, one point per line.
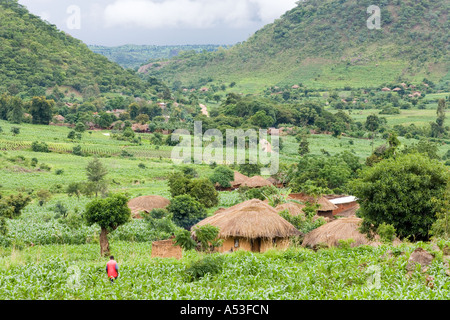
186 211
41 110
405 192
109 214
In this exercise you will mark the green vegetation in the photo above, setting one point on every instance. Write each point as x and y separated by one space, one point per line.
134 56
314 46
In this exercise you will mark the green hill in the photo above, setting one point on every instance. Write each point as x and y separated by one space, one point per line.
35 55
133 56
327 44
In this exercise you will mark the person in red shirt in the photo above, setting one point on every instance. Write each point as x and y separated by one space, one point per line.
112 269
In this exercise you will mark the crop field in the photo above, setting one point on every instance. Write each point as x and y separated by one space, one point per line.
77 272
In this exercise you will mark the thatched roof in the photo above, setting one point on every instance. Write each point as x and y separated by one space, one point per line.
239 179
340 229
256 182
273 181
293 208
325 204
147 204
251 219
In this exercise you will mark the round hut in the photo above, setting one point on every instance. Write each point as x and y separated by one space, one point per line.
256 182
239 179
252 226
146 204
293 208
340 229
326 207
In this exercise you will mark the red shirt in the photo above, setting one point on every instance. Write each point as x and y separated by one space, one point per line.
112 268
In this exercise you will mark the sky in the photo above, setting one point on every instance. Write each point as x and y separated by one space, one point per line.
159 22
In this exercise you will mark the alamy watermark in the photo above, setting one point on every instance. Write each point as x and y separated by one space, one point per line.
73 281
241 147
374 277
374 21
74 20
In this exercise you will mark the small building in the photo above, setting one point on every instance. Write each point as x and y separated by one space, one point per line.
146 204
343 204
166 249
294 209
256 182
326 208
340 229
251 226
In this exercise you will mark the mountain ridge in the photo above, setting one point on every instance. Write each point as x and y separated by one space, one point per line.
314 45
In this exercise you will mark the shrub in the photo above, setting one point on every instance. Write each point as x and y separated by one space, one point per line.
386 232
39 147
59 172
186 211
184 239
208 237
77 151
223 176
212 264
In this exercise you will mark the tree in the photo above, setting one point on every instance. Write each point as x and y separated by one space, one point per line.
186 211
96 173
372 124
41 110
74 189
223 176
15 114
178 184
249 169
142 118
405 192
303 147
80 127
109 214
438 128
204 192
11 207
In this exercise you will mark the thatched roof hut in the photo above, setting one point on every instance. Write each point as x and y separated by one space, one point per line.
239 179
147 204
256 182
293 208
252 225
325 204
340 229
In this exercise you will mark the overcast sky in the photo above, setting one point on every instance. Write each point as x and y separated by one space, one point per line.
159 22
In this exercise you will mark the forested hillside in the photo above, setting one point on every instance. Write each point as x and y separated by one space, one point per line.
327 44
35 56
133 56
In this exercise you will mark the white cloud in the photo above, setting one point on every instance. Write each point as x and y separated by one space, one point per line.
201 14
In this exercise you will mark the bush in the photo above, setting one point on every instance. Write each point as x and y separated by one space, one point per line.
59 172
39 147
186 211
208 237
223 176
184 239
212 265
77 151
386 232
